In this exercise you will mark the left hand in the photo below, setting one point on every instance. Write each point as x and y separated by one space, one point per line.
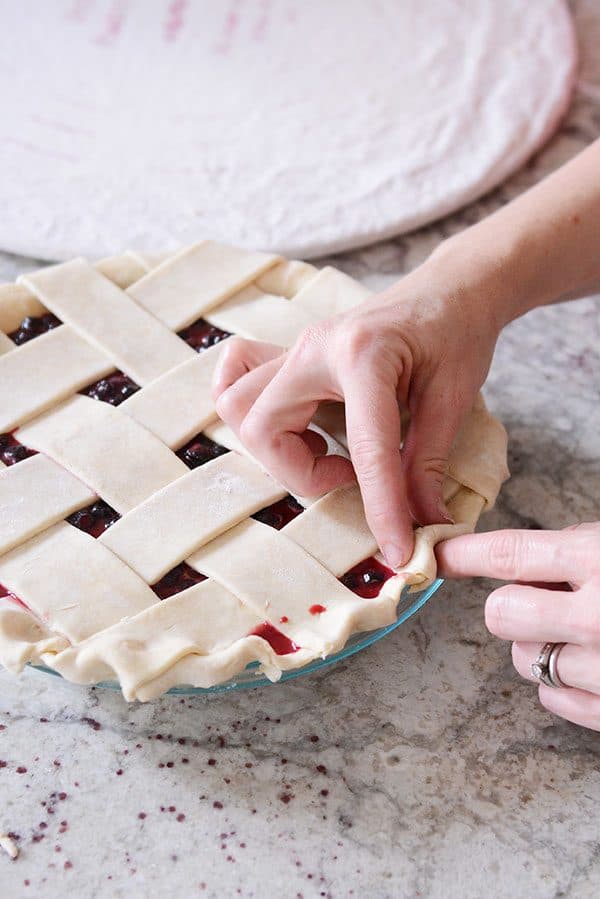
425 346
555 598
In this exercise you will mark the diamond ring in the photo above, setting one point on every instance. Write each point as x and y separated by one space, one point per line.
544 667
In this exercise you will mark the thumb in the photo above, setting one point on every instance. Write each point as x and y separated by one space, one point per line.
431 433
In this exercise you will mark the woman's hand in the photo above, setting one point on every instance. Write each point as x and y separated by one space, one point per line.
555 598
425 345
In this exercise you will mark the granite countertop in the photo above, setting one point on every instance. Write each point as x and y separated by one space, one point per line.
422 767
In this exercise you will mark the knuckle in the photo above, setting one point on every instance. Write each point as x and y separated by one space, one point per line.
367 454
584 545
585 527
356 339
366 446
228 405
379 518
586 618
233 354
303 484
504 554
234 348
499 611
252 429
430 469
310 338
590 550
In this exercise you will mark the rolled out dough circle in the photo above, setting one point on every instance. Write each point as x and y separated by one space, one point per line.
303 127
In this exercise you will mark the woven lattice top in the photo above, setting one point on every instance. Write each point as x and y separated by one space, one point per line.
138 540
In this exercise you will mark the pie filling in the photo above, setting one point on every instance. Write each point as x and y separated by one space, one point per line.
279 643
34 325
94 519
365 579
317 609
177 579
201 335
113 389
6 594
11 451
280 513
200 449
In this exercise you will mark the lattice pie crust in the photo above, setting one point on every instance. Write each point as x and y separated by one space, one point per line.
113 504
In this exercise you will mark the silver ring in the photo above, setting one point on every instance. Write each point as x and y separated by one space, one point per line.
544 668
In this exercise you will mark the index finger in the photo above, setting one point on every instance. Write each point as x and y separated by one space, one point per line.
513 555
373 430
275 428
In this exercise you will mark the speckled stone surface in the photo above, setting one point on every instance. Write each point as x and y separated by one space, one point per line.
422 767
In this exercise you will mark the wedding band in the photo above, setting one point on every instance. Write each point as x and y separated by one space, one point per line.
544 668
553 676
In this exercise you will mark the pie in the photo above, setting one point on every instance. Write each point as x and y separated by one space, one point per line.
139 542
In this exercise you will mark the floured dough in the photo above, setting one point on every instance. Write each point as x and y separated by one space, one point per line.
302 128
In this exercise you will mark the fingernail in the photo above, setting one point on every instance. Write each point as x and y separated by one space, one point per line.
394 555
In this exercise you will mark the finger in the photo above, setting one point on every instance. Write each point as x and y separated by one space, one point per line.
431 433
236 401
315 442
574 705
275 428
237 358
576 666
373 430
515 555
523 656
528 614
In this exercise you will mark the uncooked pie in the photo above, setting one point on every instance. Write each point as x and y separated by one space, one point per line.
139 542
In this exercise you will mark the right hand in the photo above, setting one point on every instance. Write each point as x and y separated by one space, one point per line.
425 344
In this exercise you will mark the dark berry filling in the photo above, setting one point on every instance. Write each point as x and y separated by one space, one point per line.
113 389
6 594
94 519
199 450
179 578
11 451
279 514
367 578
33 326
281 644
202 335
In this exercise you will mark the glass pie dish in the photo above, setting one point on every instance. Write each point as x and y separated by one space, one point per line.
252 676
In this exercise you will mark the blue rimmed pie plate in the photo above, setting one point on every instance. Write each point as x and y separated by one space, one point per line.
251 676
